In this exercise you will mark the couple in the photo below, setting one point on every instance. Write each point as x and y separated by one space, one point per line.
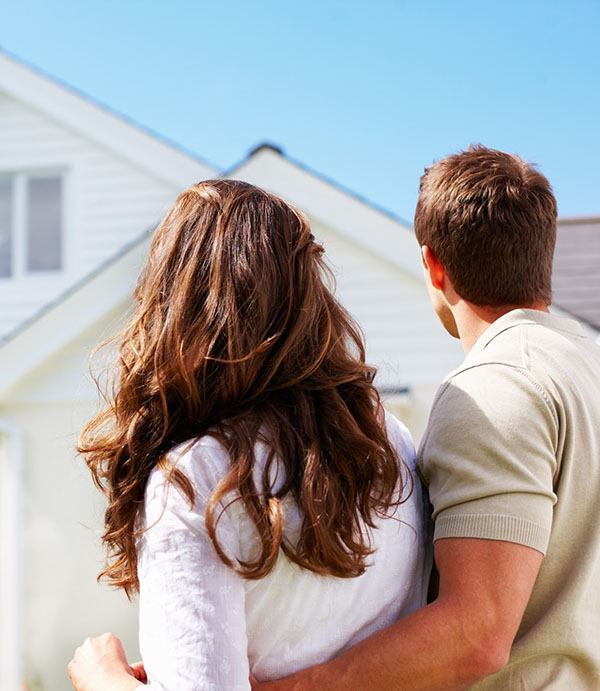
269 513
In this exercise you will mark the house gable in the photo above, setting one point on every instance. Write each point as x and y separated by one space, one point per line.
98 124
114 180
323 200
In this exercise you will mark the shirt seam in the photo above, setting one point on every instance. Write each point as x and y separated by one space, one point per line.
444 387
528 321
518 368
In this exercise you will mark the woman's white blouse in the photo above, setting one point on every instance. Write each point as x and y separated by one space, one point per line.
204 627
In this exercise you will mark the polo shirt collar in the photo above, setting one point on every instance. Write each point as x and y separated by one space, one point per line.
520 317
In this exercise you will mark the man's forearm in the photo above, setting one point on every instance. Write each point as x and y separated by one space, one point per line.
430 650
466 634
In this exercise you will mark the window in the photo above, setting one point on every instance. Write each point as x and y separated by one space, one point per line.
43 224
30 224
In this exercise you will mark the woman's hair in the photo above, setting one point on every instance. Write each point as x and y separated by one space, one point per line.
235 333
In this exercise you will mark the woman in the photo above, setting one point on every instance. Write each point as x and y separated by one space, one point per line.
259 499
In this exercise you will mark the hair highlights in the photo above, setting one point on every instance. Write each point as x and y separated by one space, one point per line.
235 333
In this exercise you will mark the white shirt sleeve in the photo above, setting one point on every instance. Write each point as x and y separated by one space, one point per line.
192 613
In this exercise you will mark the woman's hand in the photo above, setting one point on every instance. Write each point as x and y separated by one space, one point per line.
99 664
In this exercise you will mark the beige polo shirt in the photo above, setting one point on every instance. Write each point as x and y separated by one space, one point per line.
512 452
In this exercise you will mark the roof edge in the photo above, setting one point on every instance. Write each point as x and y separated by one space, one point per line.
279 150
85 99
578 220
73 288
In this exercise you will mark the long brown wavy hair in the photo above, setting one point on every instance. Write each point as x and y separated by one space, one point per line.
235 331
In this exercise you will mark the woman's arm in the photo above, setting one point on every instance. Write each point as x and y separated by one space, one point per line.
192 606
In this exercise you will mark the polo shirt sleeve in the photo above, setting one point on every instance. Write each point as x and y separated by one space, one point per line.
489 457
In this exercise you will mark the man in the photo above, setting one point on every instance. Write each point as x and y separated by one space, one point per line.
511 455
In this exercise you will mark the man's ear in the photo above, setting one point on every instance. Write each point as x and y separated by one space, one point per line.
436 272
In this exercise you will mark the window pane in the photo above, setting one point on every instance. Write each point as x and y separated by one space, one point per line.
44 242
5 227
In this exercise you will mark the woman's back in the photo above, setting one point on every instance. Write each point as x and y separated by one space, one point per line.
204 626
236 330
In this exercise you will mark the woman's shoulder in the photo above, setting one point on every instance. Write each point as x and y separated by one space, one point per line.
170 512
200 457
203 461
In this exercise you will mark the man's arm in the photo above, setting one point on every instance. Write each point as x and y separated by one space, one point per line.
466 634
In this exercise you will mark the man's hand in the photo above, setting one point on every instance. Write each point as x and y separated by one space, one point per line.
100 664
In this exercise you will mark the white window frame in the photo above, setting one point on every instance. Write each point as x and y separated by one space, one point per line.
19 179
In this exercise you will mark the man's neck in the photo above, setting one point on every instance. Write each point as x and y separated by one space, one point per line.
472 320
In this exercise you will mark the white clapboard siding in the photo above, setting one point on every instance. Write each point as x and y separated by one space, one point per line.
108 201
404 338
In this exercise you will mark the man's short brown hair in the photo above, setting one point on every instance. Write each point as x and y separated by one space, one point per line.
490 218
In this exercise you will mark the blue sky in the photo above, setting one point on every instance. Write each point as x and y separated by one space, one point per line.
367 92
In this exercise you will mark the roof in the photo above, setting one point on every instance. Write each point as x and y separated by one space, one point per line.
576 277
100 124
107 286
267 145
374 229
73 288
76 310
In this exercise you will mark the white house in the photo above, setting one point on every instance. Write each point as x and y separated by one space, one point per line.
80 189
